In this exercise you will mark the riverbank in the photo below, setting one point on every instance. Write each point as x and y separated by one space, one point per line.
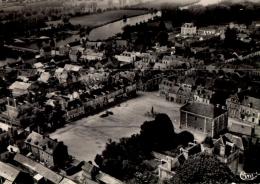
108 29
100 19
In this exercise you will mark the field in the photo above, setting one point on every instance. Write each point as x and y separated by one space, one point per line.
87 137
100 19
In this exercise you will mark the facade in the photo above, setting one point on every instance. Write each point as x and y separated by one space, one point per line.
245 108
203 95
205 118
91 55
227 152
15 109
126 57
169 62
74 109
184 95
49 151
188 29
166 87
207 31
172 61
178 93
169 164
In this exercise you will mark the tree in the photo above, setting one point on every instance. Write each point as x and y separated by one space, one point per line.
231 36
162 38
65 19
159 133
184 138
203 168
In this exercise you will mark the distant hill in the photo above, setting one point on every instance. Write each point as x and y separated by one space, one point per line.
166 3
186 3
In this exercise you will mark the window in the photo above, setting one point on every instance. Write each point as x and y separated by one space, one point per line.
253 120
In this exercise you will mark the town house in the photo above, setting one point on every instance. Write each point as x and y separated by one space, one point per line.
16 110
227 151
188 29
203 95
245 108
50 152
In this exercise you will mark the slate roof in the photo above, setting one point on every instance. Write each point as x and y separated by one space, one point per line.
70 67
19 85
42 142
8 172
236 140
207 110
38 65
38 168
107 179
67 181
45 76
255 102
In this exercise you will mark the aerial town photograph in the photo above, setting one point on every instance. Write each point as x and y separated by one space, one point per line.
129 91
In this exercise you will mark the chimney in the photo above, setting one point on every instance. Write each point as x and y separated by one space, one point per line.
222 150
8 101
15 103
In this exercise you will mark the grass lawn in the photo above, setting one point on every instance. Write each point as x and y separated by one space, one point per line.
87 137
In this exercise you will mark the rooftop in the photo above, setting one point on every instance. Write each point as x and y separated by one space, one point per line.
38 168
207 110
8 172
42 142
20 85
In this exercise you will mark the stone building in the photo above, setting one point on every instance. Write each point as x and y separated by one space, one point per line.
49 151
244 107
188 29
206 118
227 152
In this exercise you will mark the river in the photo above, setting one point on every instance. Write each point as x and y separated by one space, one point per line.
111 29
202 3
208 2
